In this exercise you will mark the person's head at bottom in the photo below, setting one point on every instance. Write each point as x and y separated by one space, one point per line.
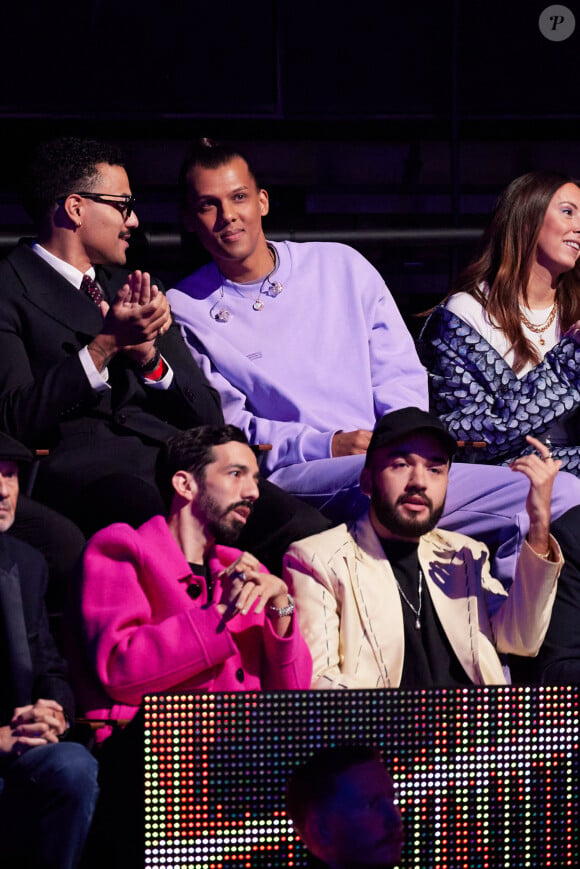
342 803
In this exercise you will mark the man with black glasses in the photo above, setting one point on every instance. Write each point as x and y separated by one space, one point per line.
90 366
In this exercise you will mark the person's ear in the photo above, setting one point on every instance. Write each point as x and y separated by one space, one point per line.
184 485
264 201
73 208
316 834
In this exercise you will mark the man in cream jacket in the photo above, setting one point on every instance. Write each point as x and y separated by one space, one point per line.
392 601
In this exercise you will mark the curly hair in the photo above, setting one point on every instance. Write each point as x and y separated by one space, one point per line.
59 167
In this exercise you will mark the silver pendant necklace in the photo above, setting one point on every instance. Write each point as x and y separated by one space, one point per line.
415 610
273 290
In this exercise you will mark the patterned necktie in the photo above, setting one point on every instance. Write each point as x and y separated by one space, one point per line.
92 289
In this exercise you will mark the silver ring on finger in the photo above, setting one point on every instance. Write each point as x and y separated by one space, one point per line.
545 458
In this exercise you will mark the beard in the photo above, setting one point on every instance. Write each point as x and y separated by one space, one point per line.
223 527
392 518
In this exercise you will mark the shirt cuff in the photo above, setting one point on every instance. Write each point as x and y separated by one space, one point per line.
97 379
164 383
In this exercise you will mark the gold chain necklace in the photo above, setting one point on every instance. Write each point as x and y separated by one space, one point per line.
538 330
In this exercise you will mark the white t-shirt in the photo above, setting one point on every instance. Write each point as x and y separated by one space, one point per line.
471 312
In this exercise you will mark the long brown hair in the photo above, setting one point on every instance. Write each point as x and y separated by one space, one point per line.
506 258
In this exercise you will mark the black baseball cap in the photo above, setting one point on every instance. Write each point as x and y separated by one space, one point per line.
399 423
13 451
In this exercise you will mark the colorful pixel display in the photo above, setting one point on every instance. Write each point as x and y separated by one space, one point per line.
486 777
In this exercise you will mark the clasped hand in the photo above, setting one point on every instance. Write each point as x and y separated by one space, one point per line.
37 724
139 314
245 588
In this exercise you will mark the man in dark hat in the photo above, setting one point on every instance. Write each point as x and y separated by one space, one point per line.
48 788
391 600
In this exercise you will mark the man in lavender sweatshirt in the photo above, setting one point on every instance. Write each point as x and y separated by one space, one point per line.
307 349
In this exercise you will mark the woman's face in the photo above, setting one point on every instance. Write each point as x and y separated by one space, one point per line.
558 245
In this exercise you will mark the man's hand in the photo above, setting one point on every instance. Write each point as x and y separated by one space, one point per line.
541 471
138 315
40 723
245 587
350 443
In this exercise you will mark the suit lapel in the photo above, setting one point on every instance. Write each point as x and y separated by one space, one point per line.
378 602
105 280
61 301
12 613
450 584
126 382
53 294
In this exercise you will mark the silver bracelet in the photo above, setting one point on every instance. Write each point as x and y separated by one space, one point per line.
282 611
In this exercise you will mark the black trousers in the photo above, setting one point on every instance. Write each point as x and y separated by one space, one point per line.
117 836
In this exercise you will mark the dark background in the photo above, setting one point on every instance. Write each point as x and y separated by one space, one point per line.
388 125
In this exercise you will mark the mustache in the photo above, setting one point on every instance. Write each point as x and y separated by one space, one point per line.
417 495
248 504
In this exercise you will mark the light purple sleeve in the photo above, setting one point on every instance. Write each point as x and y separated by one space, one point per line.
398 377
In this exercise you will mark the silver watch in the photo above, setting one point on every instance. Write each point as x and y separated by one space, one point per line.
281 611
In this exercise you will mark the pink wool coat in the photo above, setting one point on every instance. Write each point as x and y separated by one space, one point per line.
143 633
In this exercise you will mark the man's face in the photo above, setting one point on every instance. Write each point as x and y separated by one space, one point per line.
225 208
8 493
407 482
104 230
227 491
361 822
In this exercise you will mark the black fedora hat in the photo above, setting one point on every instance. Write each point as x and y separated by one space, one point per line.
13 451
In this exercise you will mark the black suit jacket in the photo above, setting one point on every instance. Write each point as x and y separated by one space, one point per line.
35 668
46 399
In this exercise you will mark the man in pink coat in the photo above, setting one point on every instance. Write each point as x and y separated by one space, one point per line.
164 608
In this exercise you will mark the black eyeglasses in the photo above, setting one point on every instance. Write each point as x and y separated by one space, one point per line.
124 204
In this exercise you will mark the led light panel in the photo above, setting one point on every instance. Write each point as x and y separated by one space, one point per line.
485 777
